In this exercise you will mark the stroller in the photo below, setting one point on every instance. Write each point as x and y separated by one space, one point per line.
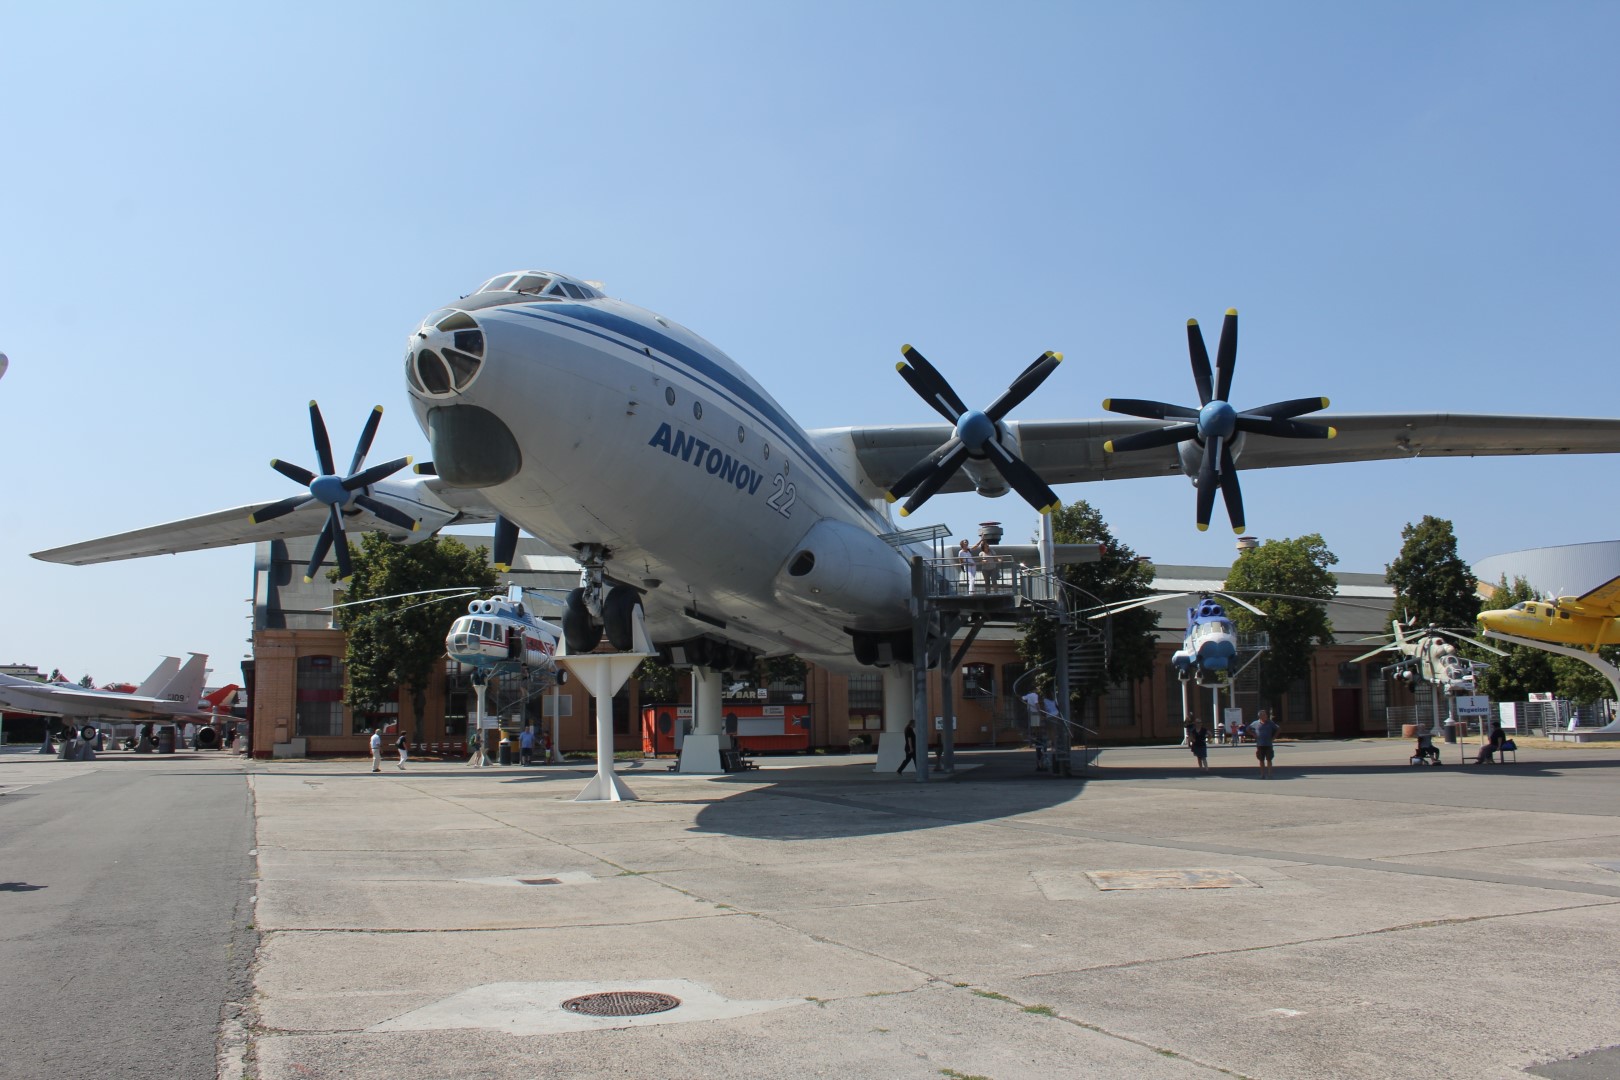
1427 753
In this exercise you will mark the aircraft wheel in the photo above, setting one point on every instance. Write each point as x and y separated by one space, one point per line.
581 631
621 600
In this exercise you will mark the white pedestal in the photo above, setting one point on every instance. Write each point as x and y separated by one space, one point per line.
603 674
891 752
701 753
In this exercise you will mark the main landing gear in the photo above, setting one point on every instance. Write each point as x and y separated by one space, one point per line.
594 609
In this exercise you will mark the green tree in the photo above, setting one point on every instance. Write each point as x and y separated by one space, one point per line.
1117 576
1524 670
87 683
1432 583
397 644
1580 682
1298 567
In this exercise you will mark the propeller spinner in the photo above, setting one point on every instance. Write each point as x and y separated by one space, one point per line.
976 434
1215 423
337 491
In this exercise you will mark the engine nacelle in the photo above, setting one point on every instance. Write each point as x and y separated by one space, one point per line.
847 571
413 499
1191 454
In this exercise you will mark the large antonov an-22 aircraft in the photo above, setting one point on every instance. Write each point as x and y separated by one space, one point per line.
677 481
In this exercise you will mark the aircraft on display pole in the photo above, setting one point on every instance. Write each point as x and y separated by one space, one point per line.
1590 620
171 692
1210 644
1431 657
682 487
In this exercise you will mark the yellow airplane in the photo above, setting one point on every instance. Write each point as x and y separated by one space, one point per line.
1589 620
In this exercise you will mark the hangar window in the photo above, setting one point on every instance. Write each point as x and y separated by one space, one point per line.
319 696
978 682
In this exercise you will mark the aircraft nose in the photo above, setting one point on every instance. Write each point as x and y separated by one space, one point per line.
444 354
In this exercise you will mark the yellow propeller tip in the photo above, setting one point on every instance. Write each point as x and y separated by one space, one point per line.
312 403
253 519
502 568
1203 527
1051 506
1333 432
1108 447
901 366
376 408
1237 530
1108 403
904 512
889 496
1192 322
1058 357
904 349
1231 311
1324 403
408 457
308 580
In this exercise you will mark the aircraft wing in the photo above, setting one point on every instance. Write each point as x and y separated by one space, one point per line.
428 499
1071 451
1604 598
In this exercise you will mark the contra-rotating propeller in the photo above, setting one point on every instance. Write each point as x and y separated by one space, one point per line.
976 435
337 491
1214 424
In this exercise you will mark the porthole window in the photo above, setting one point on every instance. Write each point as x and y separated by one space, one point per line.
669 395
697 410
741 434
767 451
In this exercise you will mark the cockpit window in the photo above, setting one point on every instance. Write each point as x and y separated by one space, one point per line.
573 290
533 284
500 284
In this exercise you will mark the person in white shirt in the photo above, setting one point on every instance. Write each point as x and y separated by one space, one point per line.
376 751
970 564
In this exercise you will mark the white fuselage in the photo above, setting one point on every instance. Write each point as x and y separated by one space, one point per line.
640 437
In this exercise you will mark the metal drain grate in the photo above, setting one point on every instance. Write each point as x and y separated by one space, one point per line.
539 881
621 1003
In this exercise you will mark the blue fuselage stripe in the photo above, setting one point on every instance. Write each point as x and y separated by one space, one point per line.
707 371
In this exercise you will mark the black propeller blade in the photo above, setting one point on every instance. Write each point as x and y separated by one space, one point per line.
1215 423
976 436
337 491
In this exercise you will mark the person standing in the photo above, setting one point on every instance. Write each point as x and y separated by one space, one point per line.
911 746
970 564
1265 739
526 746
403 745
1198 739
376 750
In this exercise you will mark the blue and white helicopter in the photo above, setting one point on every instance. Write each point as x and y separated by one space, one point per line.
1209 647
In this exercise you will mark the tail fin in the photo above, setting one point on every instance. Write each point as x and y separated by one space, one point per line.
219 697
186 687
161 676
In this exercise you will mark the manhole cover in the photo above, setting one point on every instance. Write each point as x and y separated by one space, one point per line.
539 881
621 1003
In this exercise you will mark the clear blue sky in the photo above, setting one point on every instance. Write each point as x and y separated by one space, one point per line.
212 213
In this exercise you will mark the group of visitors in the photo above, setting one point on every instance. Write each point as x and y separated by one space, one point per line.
1263 731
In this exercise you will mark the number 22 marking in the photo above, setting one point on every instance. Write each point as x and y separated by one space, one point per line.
782 499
